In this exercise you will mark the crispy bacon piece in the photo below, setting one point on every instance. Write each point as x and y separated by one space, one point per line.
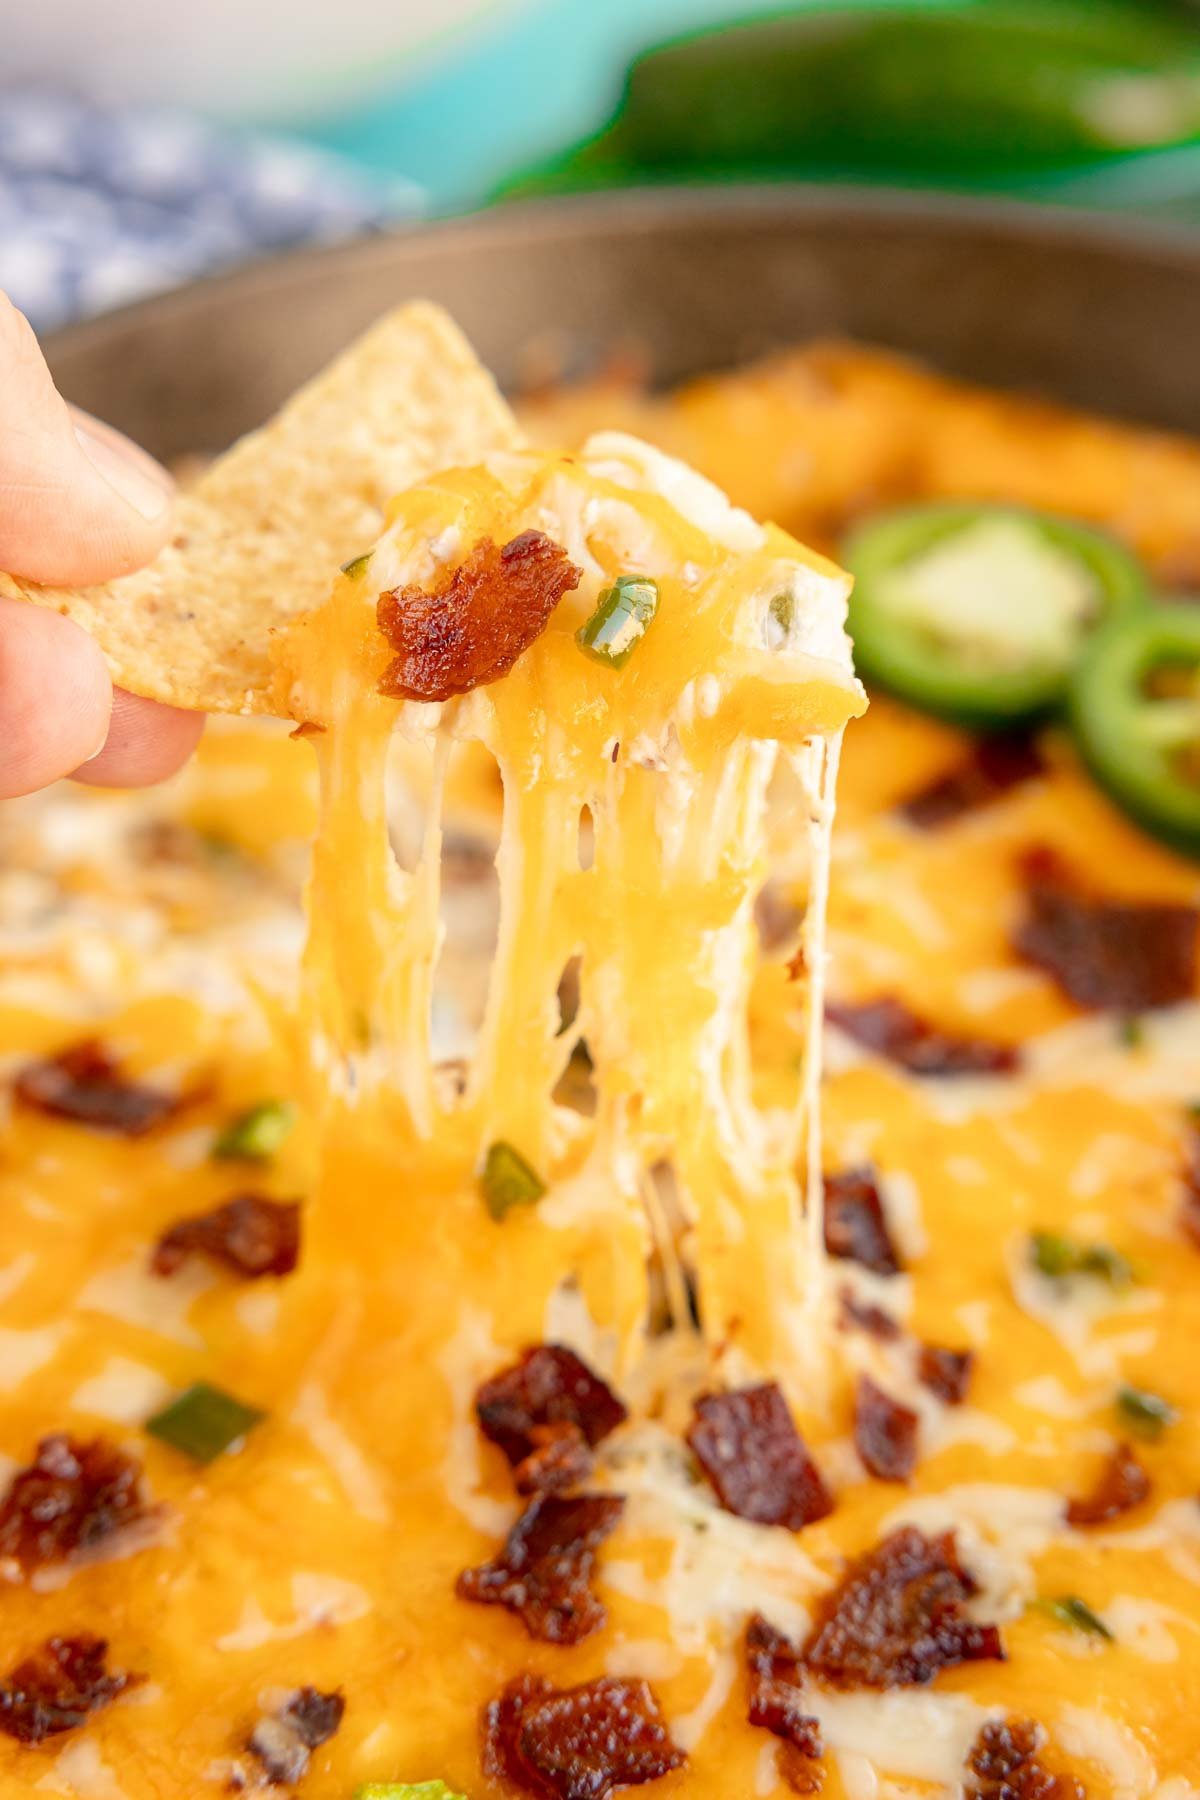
284 1741
776 1675
71 1499
560 1459
895 1619
991 768
748 1446
543 1572
472 626
549 1385
576 1743
1123 1484
1003 1764
885 1433
83 1083
250 1234
946 1373
58 1686
1105 954
856 1228
857 1315
890 1029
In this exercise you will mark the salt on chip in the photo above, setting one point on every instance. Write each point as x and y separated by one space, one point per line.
260 537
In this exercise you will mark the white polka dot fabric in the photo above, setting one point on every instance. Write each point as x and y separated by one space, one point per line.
101 206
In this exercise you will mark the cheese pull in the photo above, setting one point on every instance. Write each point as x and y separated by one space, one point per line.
632 653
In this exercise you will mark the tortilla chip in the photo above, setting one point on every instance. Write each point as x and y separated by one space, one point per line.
262 534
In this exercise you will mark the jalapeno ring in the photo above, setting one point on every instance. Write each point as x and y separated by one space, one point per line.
978 613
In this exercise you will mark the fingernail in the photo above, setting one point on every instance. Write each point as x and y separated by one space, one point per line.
102 745
129 470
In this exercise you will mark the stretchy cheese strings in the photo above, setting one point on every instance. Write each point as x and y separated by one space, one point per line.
660 923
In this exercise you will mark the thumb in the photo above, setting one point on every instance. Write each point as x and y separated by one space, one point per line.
78 502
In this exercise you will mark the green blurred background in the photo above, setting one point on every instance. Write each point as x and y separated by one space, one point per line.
1093 102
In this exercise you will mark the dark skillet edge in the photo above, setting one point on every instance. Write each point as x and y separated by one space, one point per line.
1092 309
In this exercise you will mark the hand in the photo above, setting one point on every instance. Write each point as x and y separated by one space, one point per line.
78 504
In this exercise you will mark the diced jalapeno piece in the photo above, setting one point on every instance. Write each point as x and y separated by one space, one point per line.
405 1790
257 1133
1134 703
204 1422
1062 1256
617 626
1069 1609
508 1180
1147 1415
357 565
979 613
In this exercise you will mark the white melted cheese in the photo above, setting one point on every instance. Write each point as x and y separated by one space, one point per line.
131 1293
630 462
1120 1757
16 1273
124 1391
1080 1310
359 1480
318 1600
468 1358
1147 1627
720 1568
24 1352
925 1736
81 1773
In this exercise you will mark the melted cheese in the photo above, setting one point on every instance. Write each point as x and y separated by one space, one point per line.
325 1549
670 762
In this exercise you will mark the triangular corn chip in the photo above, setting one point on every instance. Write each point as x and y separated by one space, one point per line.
262 534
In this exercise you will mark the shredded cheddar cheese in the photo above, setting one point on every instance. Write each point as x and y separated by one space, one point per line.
679 1162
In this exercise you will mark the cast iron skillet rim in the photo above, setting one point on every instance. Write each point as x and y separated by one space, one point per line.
642 210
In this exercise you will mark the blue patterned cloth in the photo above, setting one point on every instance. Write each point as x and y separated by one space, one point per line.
100 206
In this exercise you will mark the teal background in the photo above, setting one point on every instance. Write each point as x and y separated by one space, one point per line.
523 84
535 76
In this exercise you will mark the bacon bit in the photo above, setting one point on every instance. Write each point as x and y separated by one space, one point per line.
1003 1765
885 1433
856 1228
560 1459
748 1446
549 1385
284 1741
895 1619
777 1702
58 1687
891 1030
544 1570
72 1498
576 1743
474 624
992 767
857 1315
83 1083
1105 954
946 1373
1123 1484
802 1774
251 1235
